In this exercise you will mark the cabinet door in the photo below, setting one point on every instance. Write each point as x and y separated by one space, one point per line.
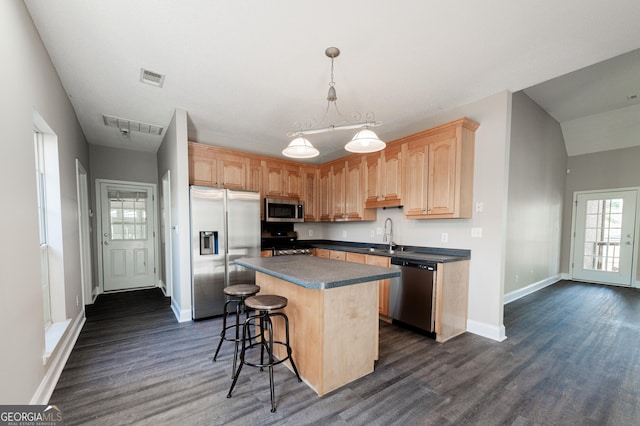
292 181
232 171
337 255
415 182
354 199
254 180
339 210
273 180
442 191
325 196
356 257
391 175
373 179
202 171
383 285
323 253
310 193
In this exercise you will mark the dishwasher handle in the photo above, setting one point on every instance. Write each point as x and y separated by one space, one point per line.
429 266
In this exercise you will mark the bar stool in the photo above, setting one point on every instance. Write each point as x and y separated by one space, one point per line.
265 305
237 294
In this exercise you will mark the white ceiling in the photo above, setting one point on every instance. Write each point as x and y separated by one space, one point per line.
247 71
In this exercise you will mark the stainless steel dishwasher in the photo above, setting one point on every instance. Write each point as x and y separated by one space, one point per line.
412 296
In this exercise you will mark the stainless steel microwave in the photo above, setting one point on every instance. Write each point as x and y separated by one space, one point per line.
281 210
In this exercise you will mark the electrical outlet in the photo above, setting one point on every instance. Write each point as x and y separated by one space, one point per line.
311 232
479 207
476 232
445 237
372 233
344 234
379 231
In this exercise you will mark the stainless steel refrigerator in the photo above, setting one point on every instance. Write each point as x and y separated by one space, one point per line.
225 225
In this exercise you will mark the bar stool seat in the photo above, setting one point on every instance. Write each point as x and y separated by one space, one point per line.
265 305
236 294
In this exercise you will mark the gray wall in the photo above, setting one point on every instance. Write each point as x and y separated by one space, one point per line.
537 164
29 82
122 164
603 170
173 157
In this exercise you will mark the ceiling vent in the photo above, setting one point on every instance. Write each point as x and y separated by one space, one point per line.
151 77
125 126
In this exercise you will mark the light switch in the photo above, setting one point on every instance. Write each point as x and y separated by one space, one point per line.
479 207
445 237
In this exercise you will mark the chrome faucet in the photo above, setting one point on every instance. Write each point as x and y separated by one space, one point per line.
388 235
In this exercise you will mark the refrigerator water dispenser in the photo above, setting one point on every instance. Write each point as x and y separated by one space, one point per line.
208 242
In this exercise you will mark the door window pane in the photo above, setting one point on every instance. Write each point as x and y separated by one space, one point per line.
602 234
128 214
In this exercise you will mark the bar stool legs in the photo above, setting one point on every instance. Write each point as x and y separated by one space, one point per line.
236 294
265 339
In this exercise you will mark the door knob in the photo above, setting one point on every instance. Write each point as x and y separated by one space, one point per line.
106 243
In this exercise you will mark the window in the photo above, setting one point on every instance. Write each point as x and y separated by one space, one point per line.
38 139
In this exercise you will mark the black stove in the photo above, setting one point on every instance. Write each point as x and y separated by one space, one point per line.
283 243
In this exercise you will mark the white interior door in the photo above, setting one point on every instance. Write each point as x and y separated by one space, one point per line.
604 245
128 249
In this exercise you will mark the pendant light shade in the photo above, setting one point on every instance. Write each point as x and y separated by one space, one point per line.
365 141
300 148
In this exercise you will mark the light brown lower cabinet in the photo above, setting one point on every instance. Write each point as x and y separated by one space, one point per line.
451 291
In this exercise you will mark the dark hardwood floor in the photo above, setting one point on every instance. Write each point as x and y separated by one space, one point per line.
572 357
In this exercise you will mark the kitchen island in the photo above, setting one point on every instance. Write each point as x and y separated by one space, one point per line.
333 315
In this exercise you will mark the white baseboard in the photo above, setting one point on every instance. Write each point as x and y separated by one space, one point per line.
493 332
182 315
521 292
57 361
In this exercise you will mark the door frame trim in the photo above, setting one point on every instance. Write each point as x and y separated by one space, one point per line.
634 259
154 209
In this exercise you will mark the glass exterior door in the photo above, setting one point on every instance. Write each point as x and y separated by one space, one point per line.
605 237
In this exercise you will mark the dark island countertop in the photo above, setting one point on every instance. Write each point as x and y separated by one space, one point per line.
317 273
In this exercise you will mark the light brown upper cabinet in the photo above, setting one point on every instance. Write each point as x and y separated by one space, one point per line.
212 166
430 173
438 178
355 189
310 195
339 209
325 192
384 177
282 179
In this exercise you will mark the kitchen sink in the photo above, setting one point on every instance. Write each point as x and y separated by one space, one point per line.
385 250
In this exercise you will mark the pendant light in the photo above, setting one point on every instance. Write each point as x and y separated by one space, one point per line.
300 148
364 141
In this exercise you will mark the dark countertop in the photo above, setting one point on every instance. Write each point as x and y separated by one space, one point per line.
317 273
413 253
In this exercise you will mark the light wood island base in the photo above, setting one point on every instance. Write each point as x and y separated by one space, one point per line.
333 332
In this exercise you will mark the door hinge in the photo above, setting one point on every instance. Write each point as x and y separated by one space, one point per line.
154 269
